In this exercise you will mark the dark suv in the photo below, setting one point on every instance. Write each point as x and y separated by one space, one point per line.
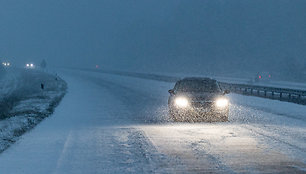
197 100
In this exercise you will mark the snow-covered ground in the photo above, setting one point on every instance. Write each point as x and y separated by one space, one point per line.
23 103
272 83
241 80
116 124
8 83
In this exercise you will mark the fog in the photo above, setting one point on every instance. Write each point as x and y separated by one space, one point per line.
186 36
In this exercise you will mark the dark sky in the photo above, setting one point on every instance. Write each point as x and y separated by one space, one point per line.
155 35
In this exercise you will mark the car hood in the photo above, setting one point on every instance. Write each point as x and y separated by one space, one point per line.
205 96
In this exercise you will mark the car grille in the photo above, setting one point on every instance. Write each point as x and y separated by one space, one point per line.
202 104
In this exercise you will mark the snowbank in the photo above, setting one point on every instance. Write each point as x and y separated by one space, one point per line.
23 104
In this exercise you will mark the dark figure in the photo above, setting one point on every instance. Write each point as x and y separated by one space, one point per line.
42 86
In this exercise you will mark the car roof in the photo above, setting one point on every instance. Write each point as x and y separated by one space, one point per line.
198 79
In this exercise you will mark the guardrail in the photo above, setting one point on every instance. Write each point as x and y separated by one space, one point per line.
282 94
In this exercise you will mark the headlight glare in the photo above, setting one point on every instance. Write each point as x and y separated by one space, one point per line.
222 102
181 102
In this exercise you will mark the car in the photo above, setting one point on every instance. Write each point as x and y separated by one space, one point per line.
6 64
30 66
198 100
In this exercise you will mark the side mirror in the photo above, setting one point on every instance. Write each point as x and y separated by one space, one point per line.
171 91
226 91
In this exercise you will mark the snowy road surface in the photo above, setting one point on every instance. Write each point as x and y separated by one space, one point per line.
115 124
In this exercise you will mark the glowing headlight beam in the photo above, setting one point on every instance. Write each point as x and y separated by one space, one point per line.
181 102
221 103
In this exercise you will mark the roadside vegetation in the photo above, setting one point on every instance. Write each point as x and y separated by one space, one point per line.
27 97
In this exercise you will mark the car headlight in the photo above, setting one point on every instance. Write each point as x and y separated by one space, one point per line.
181 102
222 102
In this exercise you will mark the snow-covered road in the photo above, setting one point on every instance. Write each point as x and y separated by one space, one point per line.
116 124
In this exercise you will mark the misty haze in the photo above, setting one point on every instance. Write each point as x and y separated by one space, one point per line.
152 86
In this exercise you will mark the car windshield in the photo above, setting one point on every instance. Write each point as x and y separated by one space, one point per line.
198 86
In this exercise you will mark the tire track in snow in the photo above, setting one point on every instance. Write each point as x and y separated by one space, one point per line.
265 134
114 88
143 107
62 154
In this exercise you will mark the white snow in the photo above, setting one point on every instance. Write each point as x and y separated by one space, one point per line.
235 79
24 104
116 124
8 83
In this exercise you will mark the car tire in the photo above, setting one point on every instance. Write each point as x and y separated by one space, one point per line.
172 115
176 117
224 117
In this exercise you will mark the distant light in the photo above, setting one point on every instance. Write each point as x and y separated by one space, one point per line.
259 77
5 63
269 75
97 66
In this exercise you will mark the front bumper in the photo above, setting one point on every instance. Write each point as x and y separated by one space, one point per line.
199 114
204 111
